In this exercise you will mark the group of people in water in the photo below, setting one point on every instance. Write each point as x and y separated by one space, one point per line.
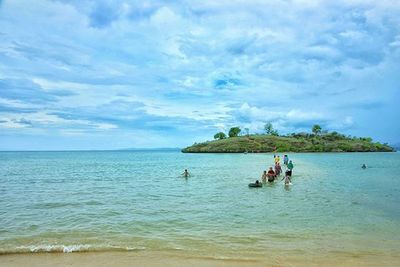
273 173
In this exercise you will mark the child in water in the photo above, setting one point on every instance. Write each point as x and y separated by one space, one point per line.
264 177
287 179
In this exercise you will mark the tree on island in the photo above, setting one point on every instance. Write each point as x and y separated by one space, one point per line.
220 136
269 129
316 129
234 131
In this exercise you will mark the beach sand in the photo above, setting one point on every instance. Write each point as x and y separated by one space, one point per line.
144 259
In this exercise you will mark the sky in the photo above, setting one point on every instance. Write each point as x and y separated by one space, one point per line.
85 74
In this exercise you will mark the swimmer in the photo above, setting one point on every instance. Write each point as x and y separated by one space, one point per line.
186 173
364 166
256 184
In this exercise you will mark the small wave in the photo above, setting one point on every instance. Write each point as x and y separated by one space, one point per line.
66 249
54 248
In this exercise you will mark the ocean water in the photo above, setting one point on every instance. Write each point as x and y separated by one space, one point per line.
138 200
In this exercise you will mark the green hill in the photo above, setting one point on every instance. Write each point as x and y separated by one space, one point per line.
303 142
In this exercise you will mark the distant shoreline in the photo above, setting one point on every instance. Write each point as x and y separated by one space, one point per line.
100 150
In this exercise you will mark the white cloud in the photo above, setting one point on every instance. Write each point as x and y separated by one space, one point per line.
105 126
207 63
298 115
7 123
45 119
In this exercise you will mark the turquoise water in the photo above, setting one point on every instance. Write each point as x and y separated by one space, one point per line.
132 200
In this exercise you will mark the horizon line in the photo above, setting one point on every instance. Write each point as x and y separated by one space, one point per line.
90 150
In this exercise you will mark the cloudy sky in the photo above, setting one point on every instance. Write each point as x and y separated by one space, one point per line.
86 74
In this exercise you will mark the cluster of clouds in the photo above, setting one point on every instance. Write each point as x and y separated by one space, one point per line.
112 74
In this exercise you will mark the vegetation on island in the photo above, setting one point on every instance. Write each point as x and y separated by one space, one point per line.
270 141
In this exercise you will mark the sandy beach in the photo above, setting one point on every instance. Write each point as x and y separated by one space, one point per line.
144 259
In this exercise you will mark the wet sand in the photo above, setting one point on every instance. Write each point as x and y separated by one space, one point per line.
144 259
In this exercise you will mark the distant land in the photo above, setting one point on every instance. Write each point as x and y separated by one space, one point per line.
152 149
396 146
300 142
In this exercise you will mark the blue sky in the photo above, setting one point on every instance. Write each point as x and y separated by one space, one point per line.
115 74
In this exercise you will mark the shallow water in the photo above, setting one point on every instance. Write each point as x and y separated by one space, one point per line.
132 200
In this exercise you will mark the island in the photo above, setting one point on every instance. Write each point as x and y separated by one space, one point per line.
271 141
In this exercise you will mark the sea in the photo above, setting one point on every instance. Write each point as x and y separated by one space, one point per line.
139 201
